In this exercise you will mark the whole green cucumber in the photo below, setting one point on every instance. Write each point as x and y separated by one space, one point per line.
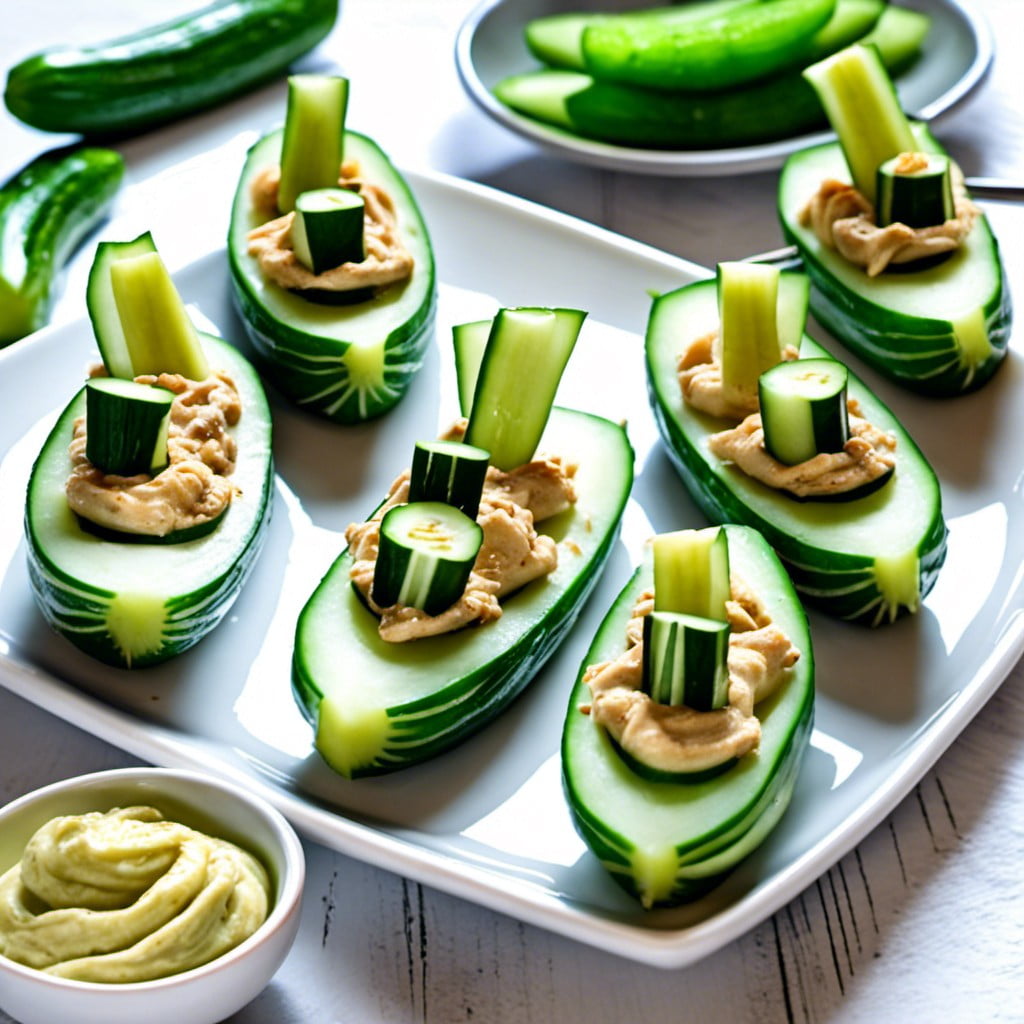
166 71
46 210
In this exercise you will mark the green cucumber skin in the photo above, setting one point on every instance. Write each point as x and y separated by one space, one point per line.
928 360
441 718
632 116
599 812
167 71
836 581
74 606
305 365
56 200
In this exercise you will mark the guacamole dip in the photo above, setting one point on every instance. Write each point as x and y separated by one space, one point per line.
127 896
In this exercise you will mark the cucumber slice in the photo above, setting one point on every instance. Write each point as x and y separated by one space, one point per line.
869 559
939 330
684 660
691 572
915 190
314 131
469 340
377 707
347 363
427 550
131 605
449 471
526 352
667 842
328 228
803 409
126 425
748 299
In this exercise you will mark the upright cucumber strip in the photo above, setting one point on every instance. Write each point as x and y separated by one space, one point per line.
376 707
864 111
136 604
314 132
46 210
167 70
748 299
669 842
869 559
941 329
345 362
718 51
520 368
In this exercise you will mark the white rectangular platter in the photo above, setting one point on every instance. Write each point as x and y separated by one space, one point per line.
488 821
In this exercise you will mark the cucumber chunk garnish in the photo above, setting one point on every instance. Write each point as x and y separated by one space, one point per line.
469 341
126 425
450 472
803 409
749 333
915 189
684 660
691 572
328 228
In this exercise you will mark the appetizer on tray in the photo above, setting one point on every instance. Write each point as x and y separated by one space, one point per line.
692 711
462 583
906 271
148 503
331 263
767 429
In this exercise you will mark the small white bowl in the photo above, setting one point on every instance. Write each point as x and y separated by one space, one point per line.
204 994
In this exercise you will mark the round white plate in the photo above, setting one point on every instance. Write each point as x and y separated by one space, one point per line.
489 46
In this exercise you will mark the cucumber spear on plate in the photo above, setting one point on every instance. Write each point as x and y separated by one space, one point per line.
935 319
868 554
376 704
703 769
138 587
332 269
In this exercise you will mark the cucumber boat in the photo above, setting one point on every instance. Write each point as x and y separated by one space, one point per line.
938 328
377 705
131 600
669 841
346 358
867 559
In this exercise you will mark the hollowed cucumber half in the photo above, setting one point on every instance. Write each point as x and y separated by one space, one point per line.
376 707
940 329
668 842
869 559
350 361
136 604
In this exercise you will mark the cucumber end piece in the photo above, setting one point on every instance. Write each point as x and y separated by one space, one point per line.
136 623
654 874
898 578
350 738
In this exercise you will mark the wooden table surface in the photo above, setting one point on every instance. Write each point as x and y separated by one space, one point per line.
923 920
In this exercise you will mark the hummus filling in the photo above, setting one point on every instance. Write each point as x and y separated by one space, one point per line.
193 490
844 220
387 260
678 739
511 555
867 455
126 896
700 378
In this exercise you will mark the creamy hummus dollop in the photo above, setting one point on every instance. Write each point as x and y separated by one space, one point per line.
700 379
126 896
193 490
678 739
868 455
844 220
387 260
511 555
